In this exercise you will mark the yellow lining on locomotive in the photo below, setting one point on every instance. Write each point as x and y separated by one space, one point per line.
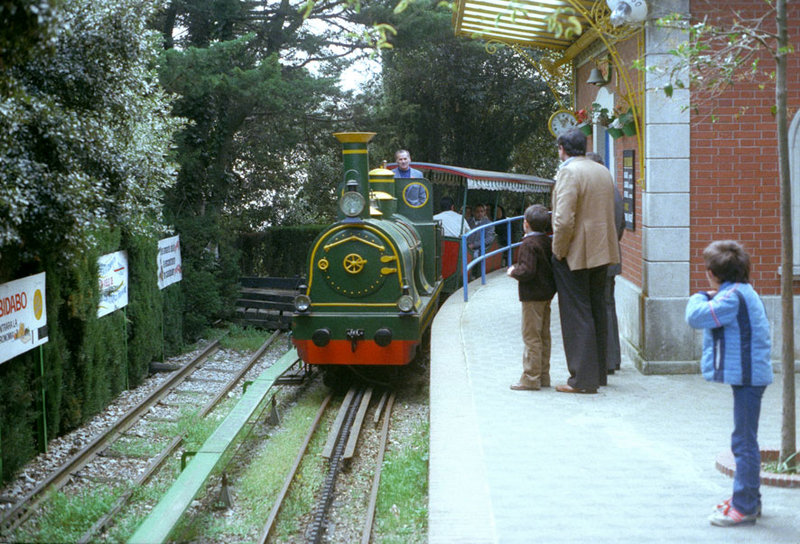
367 228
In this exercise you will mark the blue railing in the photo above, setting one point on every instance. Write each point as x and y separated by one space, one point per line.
482 255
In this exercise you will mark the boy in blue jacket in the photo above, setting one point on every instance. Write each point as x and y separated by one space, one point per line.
736 351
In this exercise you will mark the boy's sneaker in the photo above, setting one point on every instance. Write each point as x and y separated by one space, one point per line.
730 516
727 503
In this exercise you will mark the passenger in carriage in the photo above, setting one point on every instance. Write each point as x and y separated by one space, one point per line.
452 221
468 216
536 289
474 240
501 231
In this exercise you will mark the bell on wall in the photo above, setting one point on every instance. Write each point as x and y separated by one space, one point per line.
596 77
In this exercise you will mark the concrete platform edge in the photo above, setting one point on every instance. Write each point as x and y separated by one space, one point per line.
460 508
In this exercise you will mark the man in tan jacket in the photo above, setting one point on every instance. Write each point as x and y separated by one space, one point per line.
584 244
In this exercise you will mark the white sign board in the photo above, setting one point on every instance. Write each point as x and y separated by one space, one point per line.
169 261
113 278
23 316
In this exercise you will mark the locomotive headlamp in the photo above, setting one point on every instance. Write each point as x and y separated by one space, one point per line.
352 203
405 303
302 303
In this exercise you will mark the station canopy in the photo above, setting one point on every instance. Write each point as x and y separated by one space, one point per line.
482 179
520 22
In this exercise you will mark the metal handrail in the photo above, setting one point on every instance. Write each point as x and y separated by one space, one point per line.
482 256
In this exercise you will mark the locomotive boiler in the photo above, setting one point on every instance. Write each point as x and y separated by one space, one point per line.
374 277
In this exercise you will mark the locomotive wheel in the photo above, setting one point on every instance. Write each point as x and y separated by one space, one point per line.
337 378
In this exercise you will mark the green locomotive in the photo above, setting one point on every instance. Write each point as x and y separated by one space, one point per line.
374 276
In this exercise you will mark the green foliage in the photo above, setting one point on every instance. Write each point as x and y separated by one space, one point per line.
18 423
85 133
244 339
401 511
280 251
719 52
243 157
25 30
66 517
448 100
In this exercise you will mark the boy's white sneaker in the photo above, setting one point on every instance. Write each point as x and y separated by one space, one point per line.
730 516
727 504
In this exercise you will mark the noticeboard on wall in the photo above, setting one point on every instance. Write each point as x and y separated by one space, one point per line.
628 188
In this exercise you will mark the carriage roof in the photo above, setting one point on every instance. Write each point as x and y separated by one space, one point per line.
482 179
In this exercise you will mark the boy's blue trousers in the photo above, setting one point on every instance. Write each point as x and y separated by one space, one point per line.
744 445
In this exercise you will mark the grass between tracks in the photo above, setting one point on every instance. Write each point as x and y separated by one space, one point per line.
401 515
402 510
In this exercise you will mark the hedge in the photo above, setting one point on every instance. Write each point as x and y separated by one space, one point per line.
87 360
279 252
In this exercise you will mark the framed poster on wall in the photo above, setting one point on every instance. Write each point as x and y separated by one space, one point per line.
628 188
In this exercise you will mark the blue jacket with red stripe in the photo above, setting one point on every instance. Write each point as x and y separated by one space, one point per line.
736 339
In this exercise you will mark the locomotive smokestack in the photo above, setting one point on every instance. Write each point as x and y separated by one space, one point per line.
356 162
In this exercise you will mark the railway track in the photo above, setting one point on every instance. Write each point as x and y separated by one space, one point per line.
339 449
177 391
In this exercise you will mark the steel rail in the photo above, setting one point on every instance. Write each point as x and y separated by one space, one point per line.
376 481
24 508
320 514
154 465
163 518
279 500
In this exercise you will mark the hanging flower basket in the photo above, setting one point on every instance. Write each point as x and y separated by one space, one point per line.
586 128
629 129
615 132
601 115
625 121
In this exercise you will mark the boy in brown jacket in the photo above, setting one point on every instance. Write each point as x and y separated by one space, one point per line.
536 290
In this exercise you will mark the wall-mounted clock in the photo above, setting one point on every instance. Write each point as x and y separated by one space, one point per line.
561 121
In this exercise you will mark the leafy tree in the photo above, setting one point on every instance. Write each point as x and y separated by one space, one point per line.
449 100
258 115
25 30
84 130
718 54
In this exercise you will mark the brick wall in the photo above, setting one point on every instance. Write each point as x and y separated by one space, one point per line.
631 244
735 184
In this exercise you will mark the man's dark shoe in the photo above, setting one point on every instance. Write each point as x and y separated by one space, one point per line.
522 387
567 388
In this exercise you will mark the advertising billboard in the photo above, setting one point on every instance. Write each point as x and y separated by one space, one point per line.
23 316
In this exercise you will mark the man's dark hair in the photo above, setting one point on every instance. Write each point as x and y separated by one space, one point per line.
728 261
537 217
573 141
446 204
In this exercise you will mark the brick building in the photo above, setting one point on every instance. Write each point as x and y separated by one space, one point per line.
690 176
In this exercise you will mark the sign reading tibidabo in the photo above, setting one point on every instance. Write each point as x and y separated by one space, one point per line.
169 261
23 316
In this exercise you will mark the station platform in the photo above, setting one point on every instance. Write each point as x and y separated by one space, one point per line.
634 463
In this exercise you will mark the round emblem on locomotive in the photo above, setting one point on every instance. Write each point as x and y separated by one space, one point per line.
323 264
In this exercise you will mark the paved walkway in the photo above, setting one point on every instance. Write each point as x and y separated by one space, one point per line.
632 464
